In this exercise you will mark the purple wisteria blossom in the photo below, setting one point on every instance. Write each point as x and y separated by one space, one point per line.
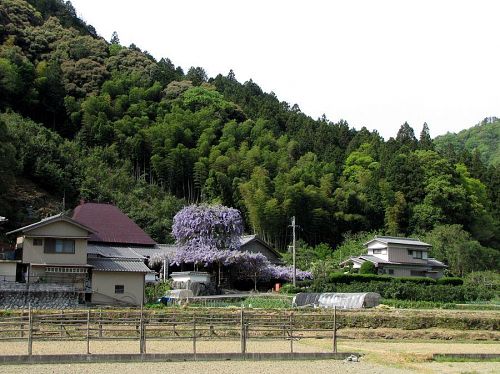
210 234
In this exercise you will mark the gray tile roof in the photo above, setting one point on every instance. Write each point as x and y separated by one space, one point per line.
247 239
374 259
116 264
47 220
435 263
144 252
168 250
141 253
397 240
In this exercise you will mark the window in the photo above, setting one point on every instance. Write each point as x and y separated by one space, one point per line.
59 246
379 251
390 271
416 273
119 288
416 254
37 242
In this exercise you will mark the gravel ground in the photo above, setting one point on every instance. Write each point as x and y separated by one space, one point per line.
220 367
379 356
156 346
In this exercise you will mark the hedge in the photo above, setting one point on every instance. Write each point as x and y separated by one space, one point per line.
399 290
351 278
453 281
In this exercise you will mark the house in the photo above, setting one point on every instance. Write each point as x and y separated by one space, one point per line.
111 226
253 244
399 257
114 251
51 257
250 243
97 255
55 255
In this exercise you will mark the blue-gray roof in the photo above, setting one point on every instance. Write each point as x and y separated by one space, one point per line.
398 240
141 253
376 261
116 264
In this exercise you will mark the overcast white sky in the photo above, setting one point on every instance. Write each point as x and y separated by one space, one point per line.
372 63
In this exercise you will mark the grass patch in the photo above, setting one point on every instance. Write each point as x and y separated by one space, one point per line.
408 304
258 302
464 358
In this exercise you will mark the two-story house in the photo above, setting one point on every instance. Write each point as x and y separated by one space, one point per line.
52 256
53 251
399 257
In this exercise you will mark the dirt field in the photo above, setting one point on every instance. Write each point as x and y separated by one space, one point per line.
379 356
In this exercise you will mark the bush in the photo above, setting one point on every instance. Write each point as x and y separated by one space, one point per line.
452 281
155 291
351 278
489 279
409 304
367 268
416 292
290 288
304 283
417 280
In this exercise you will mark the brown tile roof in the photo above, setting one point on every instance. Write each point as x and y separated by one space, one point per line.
110 224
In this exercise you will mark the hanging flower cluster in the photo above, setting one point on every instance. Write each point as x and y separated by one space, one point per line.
209 234
208 227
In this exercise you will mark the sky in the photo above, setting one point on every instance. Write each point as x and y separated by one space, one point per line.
372 63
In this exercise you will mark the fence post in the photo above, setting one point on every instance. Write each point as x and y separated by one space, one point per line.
88 332
144 325
334 329
291 332
243 332
194 336
100 323
30 333
61 328
141 342
22 324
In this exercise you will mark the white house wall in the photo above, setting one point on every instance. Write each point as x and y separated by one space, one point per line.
8 270
36 255
103 287
400 254
59 229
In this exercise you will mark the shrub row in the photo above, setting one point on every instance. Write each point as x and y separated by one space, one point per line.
351 278
409 304
399 290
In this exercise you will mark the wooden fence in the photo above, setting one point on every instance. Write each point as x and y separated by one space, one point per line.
169 324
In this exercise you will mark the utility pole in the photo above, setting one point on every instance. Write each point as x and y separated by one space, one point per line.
293 253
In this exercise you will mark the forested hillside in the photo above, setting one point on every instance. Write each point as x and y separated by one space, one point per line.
482 140
84 118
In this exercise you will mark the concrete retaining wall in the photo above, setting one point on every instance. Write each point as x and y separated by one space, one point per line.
58 359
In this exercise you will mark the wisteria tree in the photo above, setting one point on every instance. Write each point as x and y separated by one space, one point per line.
204 232
210 234
207 234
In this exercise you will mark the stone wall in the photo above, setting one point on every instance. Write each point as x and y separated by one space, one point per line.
38 300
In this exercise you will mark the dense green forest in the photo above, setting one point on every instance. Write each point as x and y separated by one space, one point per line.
83 118
482 140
